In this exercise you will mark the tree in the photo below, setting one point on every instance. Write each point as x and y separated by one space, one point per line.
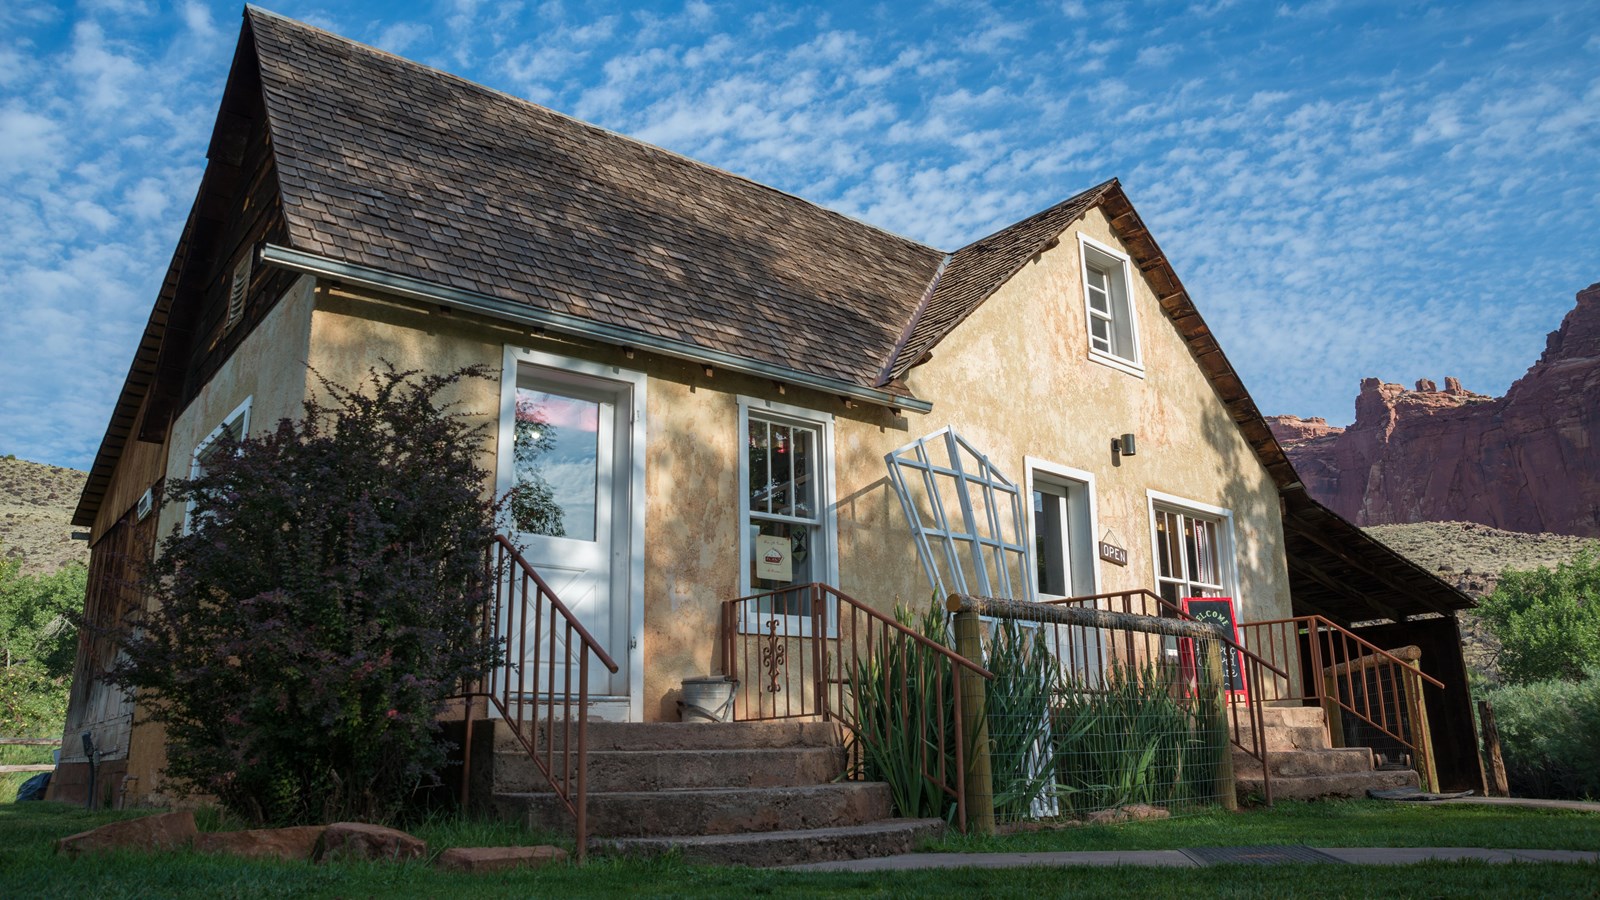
1547 620
38 644
320 606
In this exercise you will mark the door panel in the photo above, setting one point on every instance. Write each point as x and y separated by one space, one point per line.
568 459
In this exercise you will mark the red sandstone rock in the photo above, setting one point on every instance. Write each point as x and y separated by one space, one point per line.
1528 461
358 840
265 843
168 831
494 859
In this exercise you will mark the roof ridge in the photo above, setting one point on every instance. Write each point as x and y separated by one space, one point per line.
1080 196
886 374
646 145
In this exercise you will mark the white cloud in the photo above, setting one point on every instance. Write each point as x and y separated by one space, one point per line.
1157 55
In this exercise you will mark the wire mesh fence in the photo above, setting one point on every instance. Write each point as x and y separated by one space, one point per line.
1097 716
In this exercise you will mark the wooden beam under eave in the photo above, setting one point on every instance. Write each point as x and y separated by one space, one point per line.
1341 589
1303 528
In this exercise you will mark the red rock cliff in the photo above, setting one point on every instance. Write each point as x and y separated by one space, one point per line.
1528 461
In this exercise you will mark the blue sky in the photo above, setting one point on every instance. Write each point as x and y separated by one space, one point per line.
1389 189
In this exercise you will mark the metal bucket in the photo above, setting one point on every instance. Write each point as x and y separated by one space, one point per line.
707 698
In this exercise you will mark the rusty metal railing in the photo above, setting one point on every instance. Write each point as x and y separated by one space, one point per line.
1344 672
1246 729
797 653
545 649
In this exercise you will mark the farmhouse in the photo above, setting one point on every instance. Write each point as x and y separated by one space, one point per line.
710 389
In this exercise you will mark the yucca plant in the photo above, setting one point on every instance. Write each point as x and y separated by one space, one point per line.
1129 740
1018 710
904 703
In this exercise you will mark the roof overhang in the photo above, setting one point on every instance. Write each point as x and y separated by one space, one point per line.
573 326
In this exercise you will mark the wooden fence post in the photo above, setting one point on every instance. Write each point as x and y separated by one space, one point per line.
1498 786
1213 684
975 727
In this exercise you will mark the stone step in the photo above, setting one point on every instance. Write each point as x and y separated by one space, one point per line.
680 735
1313 787
707 811
1292 716
655 770
1290 737
785 848
1299 763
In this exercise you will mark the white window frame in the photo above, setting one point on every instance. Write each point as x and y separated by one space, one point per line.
1227 541
793 625
240 414
1120 268
1074 480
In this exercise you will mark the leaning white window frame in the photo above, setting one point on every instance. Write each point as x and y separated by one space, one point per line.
236 424
826 520
1226 583
1107 278
976 542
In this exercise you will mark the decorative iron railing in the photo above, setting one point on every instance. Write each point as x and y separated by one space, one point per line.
1246 729
1349 676
545 650
806 651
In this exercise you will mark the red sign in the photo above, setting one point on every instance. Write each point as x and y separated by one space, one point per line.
1216 611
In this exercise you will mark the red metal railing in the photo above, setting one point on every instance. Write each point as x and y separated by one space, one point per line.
795 651
1339 669
1245 725
531 688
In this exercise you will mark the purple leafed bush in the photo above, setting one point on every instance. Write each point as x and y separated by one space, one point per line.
305 629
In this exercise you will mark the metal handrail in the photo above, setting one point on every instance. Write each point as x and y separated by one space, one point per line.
1388 722
832 658
518 591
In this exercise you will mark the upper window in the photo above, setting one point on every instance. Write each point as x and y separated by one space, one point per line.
787 526
1113 333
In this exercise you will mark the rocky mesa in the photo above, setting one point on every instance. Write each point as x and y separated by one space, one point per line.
1528 461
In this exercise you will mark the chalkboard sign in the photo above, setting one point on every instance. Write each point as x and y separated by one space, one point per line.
1219 611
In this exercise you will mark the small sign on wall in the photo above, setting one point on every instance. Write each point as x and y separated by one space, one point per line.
1113 554
774 561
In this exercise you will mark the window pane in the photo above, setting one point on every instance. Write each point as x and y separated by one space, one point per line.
1099 291
781 461
1122 320
779 549
760 477
803 450
1100 335
555 465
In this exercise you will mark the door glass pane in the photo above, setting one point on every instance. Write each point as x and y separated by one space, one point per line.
556 465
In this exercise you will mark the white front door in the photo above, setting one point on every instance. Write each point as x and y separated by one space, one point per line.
568 460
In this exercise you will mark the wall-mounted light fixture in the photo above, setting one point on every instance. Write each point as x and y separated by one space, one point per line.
1123 446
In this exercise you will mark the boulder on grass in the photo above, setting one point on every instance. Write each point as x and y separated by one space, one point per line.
494 859
358 840
299 842
167 831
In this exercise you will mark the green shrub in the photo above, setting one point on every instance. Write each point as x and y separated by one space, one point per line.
1547 620
1550 736
310 623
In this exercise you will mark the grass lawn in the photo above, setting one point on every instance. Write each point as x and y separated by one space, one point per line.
1325 823
28 868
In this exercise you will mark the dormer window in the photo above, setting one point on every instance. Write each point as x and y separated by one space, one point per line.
1113 332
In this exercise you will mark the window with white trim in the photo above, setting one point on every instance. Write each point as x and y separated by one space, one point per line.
235 426
787 535
1190 554
1113 333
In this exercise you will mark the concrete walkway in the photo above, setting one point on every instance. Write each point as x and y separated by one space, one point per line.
1202 856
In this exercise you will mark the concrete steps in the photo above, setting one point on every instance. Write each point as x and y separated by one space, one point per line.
1302 764
760 794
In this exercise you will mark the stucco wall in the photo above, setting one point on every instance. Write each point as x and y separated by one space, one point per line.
268 368
1016 380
